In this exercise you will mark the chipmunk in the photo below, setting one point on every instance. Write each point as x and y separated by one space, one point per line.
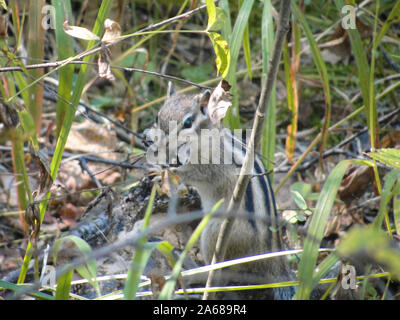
211 166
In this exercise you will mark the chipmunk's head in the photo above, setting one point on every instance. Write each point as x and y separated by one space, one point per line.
184 112
180 123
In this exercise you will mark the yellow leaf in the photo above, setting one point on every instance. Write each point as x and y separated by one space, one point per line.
222 52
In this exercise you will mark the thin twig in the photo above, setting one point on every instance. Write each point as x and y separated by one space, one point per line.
59 63
243 180
84 167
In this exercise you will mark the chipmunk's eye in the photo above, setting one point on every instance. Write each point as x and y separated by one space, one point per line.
188 122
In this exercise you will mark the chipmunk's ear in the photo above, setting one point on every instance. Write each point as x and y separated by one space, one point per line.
204 99
171 89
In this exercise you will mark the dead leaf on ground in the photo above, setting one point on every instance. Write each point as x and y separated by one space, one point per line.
93 138
355 183
157 283
70 214
391 140
338 47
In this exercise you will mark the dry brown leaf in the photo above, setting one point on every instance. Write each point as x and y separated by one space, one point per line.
355 183
79 32
112 31
93 138
103 65
45 179
339 43
32 219
391 140
219 102
157 283
70 214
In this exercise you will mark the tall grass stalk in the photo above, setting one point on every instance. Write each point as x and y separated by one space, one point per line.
65 128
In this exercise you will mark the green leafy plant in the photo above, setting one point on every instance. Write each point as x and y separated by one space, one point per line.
88 271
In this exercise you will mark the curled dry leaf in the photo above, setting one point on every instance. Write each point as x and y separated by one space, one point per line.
103 64
157 283
32 219
355 183
112 31
45 179
79 32
219 102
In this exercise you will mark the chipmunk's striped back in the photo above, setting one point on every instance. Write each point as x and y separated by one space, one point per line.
259 200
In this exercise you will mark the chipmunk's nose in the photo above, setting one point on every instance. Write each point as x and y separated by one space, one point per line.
147 140
175 165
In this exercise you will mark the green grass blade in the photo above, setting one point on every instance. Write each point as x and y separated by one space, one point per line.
246 47
391 178
65 45
236 39
64 285
142 254
235 42
290 97
35 48
62 139
87 271
14 287
321 67
77 91
316 230
324 267
19 25
396 207
363 68
268 141
23 189
226 30
18 158
388 156
372 113
394 16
